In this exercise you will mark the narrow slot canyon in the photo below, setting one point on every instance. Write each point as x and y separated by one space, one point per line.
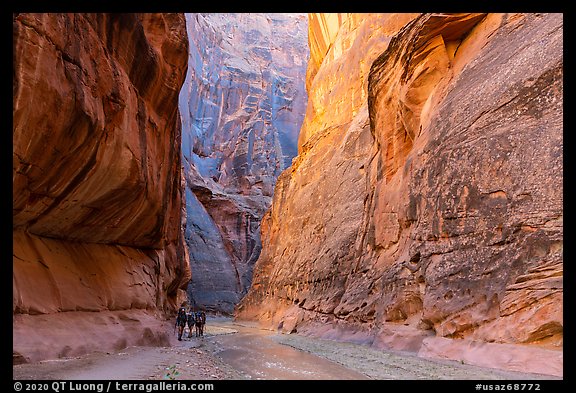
340 193
242 105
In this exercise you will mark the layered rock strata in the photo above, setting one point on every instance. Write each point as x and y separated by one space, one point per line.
97 200
424 210
242 106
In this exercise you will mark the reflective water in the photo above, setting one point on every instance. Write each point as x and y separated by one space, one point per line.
253 352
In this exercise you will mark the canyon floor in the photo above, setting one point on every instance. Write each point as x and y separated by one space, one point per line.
241 351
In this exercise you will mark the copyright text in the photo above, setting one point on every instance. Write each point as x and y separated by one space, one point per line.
109 386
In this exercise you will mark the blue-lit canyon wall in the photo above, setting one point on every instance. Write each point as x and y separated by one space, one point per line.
242 106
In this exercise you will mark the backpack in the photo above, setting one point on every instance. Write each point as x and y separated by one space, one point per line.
181 315
199 318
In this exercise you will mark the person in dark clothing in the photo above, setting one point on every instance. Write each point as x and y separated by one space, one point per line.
191 322
181 319
200 320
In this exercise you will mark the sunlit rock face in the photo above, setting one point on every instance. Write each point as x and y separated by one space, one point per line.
242 106
424 211
97 200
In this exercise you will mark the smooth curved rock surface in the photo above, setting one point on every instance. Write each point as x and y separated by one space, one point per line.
242 106
97 202
426 199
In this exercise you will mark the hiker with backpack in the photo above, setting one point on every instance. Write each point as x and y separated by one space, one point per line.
181 320
200 320
191 322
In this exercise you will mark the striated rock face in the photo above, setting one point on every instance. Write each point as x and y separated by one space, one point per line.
242 106
97 202
424 211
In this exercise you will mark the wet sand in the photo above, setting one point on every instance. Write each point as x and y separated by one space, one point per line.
378 364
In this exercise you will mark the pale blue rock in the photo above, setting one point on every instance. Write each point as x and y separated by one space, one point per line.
242 106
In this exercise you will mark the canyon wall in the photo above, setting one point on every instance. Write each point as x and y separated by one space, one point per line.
98 248
242 106
424 211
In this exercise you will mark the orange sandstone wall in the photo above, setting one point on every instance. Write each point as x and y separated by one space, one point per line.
97 200
424 211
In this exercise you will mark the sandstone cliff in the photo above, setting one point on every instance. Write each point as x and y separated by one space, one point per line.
242 106
97 204
424 210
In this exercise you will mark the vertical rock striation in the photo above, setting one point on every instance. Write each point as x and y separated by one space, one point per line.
424 210
242 106
97 201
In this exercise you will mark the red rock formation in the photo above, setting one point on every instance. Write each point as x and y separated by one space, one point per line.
96 178
424 211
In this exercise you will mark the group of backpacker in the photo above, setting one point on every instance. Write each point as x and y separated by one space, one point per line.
192 319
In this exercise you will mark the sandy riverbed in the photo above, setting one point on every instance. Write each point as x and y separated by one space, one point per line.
233 350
